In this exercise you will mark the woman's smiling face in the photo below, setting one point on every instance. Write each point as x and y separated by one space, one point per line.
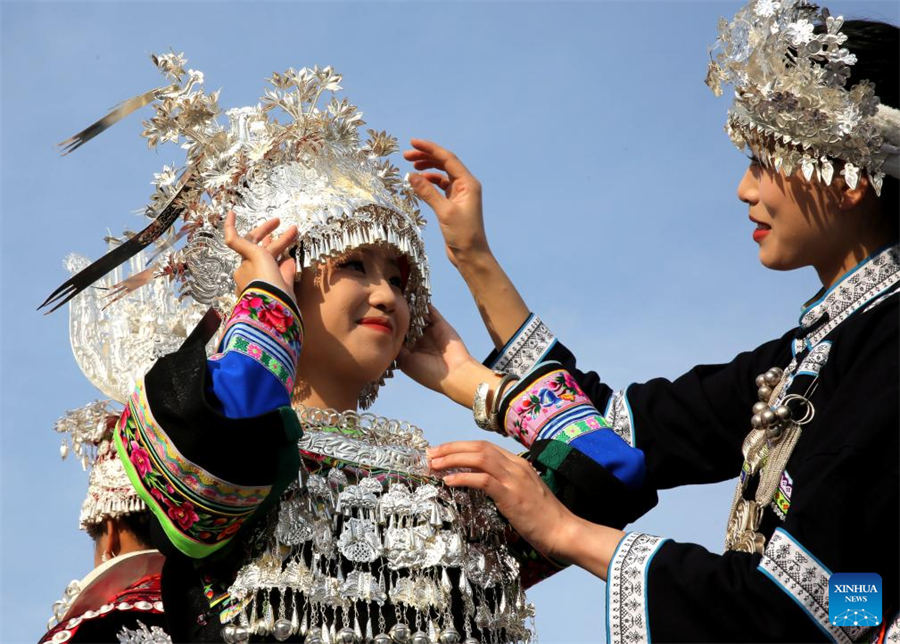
355 316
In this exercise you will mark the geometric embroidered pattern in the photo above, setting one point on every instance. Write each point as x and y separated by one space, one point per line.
526 349
812 364
618 416
626 588
866 282
805 580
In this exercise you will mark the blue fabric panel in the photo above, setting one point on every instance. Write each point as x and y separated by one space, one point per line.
244 387
607 448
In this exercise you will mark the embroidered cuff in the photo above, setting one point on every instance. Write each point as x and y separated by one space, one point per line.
528 346
549 406
805 580
618 416
627 620
199 512
265 325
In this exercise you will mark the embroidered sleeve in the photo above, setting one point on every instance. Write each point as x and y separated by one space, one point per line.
254 366
804 579
626 588
579 456
528 346
203 474
547 405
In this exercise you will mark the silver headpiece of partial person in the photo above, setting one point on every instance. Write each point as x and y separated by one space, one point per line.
791 104
312 170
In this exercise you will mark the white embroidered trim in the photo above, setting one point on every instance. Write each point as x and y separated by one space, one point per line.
626 589
814 361
526 349
868 281
618 417
804 579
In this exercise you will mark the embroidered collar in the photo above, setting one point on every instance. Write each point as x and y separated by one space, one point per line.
869 279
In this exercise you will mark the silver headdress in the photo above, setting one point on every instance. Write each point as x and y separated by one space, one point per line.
312 171
114 345
791 106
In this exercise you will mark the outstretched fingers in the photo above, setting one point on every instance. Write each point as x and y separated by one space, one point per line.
287 239
431 153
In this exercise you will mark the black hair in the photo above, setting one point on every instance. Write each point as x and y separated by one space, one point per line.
876 46
137 523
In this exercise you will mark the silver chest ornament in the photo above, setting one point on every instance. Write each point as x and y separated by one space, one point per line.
776 422
356 547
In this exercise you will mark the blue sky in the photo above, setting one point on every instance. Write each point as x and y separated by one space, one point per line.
609 197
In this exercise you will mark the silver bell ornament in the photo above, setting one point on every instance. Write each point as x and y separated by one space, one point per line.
282 629
471 640
400 633
768 417
783 413
759 407
383 638
228 634
760 380
772 377
241 634
314 637
765 392
449 636
346 636
420 637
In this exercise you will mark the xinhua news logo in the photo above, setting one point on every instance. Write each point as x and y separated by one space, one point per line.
854 599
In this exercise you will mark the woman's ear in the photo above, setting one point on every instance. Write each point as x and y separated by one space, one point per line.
113 542
850 198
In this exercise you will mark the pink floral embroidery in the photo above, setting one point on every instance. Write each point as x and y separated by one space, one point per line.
534 407
140 459
275 317
247 305
183 515
254 350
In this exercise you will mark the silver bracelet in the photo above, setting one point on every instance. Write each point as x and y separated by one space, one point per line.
493 416
479 405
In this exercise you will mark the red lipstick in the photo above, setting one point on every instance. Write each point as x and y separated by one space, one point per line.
761 230
377 324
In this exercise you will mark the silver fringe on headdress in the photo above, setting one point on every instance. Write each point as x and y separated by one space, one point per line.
313 171
791 106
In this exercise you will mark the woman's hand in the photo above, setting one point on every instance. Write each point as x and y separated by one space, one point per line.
458 209
262 256
460 217
440 361
521 496
527 503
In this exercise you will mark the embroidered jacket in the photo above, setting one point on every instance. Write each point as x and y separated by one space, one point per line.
178 439
834 509
211 444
